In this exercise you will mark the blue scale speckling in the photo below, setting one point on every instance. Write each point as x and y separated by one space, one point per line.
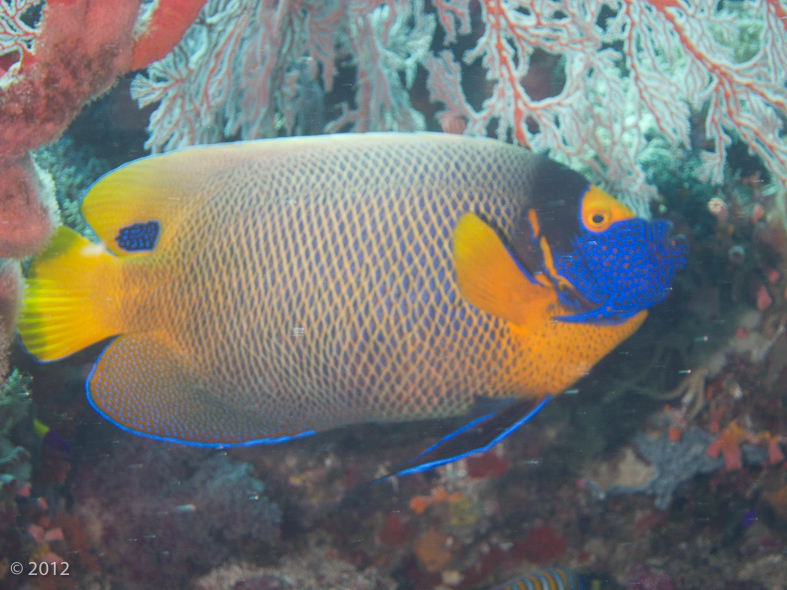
624 269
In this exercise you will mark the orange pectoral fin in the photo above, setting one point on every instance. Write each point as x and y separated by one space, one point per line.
487 274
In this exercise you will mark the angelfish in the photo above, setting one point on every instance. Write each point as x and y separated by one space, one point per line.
264 290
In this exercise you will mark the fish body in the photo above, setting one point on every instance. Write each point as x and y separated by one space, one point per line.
547 579
261 290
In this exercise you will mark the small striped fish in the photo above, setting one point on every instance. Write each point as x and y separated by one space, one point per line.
547 579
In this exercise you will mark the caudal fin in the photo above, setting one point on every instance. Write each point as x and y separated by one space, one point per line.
65 308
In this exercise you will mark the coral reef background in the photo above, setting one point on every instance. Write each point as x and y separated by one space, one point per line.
667 470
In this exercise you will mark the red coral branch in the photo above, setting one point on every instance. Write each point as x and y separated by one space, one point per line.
728 444
79 49
165 29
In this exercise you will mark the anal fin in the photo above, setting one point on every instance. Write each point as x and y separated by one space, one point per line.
144 385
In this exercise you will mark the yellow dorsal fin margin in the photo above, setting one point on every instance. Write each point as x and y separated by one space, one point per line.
157 188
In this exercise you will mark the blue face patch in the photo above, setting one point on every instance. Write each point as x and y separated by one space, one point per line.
138 236
620 271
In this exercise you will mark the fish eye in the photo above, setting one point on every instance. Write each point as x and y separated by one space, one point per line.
599 210
597 220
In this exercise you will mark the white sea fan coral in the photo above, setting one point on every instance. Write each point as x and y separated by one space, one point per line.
259 68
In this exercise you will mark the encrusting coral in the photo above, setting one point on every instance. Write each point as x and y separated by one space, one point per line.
14 460
317 569
155 511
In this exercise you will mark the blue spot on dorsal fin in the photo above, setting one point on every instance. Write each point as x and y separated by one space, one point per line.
138 236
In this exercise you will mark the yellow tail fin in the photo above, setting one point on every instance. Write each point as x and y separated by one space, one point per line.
65 308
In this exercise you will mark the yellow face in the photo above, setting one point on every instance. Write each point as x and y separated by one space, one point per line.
600 210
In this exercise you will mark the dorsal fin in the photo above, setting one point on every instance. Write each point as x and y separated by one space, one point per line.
140 204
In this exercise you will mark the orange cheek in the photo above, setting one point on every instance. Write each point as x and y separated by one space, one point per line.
556 354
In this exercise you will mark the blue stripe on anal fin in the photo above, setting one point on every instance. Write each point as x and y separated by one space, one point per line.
478 436
144 386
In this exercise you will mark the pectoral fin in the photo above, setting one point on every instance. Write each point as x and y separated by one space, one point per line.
477 436
488 276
